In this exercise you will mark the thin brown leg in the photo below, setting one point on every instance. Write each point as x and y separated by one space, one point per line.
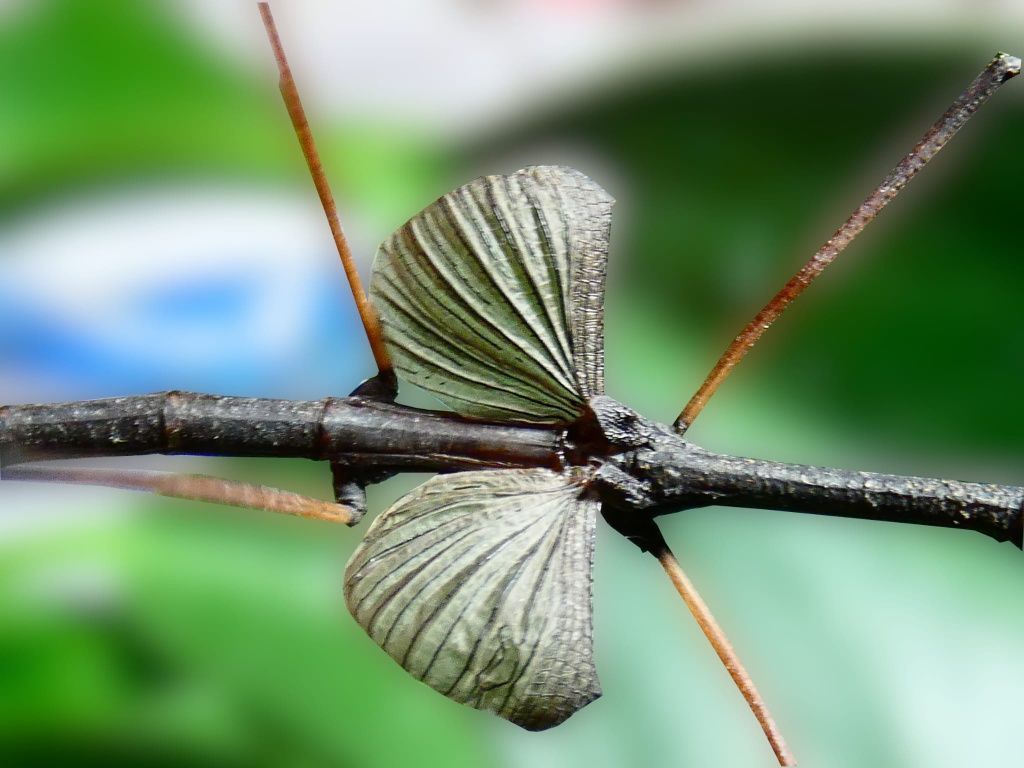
999 70
724 649
191 487
298 116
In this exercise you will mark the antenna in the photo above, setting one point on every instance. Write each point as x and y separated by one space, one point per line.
293 103
1000 69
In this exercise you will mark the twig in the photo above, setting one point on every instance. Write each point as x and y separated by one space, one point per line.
999 70
290 93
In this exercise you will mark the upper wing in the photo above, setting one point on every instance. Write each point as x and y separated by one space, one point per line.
478 584
492 297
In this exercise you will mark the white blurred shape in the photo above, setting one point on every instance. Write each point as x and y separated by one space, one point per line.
192 278
458 66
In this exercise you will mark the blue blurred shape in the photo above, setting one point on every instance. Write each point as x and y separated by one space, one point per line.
239 294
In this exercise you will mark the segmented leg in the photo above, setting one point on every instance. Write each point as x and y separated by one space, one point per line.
192 487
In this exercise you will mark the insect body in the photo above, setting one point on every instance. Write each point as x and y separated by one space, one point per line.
479 581
479 584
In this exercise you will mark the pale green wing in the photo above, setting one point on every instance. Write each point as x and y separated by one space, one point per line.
479 584
492 297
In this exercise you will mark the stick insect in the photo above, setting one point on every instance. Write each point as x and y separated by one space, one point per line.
478 582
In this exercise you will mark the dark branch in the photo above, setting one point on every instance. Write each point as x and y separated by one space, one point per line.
681 475
658 473
353 430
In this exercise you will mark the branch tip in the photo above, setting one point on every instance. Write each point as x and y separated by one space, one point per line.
1011 64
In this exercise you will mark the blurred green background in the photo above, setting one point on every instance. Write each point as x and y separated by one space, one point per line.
137 631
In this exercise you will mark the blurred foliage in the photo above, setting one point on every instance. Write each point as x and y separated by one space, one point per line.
121 91
202 639
187 635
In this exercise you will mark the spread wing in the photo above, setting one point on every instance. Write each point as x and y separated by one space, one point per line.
479 584
492 297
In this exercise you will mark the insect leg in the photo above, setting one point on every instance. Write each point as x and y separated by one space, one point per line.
646 535
192 487
1000 69
717 637
290 93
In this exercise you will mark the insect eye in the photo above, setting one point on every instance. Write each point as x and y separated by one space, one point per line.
621 426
